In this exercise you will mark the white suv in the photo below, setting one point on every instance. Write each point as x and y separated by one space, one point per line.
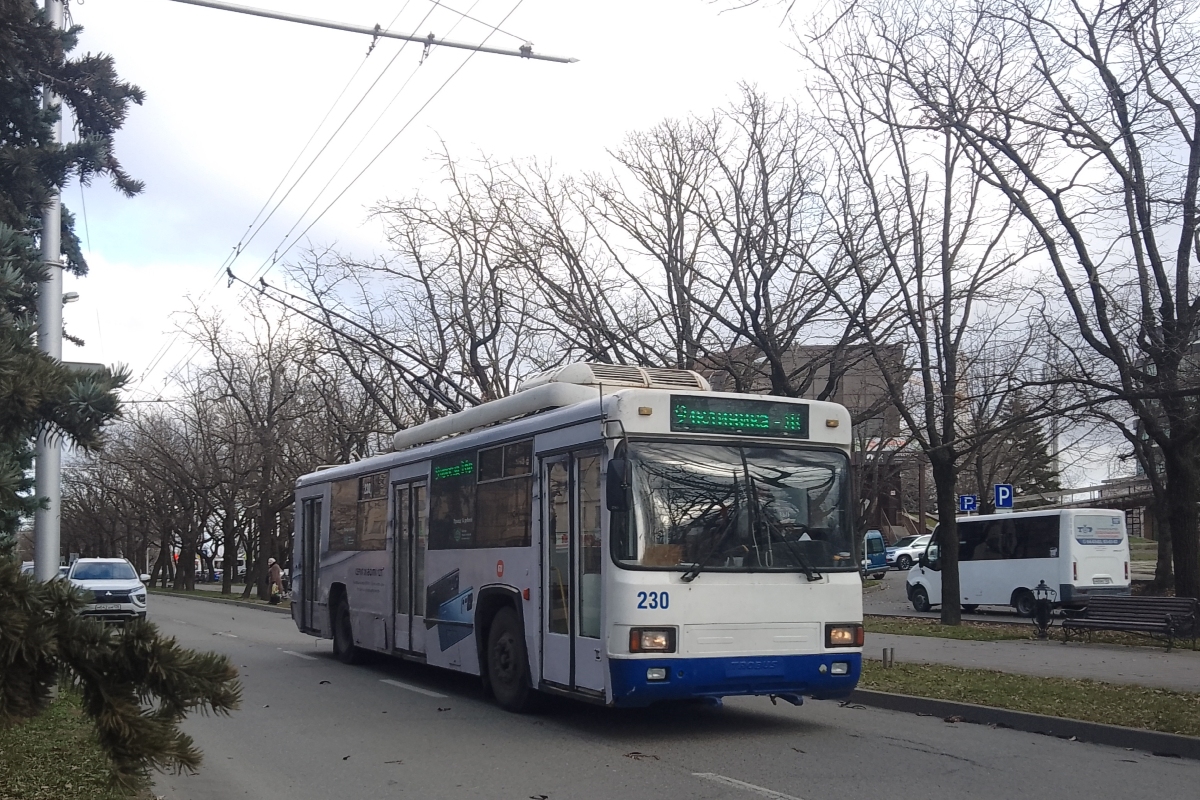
114 589
904 553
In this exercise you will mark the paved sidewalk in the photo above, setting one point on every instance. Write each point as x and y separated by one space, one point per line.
1144 666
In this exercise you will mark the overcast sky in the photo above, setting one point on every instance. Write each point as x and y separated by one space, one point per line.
232 99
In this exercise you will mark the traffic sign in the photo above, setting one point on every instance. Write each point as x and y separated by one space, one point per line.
1004 495
968 503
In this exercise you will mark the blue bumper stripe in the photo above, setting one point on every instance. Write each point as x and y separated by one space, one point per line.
730 676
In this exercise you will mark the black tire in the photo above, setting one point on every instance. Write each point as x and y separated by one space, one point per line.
903 563
343 635
920 599
878 576
1024 602
970 608
508 663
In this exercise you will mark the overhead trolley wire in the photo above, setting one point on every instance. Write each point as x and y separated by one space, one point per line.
382 150
239 248
276 256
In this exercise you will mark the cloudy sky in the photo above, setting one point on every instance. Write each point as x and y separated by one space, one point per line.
233 99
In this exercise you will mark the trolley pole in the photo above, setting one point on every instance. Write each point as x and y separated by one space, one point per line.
48 452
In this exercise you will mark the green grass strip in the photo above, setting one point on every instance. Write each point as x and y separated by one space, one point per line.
1000 631
55 756
921 626
1130 706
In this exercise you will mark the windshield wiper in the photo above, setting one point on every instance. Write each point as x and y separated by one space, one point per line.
698 567
757 520
810 572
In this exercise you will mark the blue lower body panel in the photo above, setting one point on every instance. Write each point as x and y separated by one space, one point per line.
733 675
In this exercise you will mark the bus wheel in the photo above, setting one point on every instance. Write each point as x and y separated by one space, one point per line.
1023 602
920 598
343 636
508 662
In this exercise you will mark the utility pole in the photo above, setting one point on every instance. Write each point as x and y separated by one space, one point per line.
48 452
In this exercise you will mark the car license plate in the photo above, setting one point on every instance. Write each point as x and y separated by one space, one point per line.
108 607
1101 581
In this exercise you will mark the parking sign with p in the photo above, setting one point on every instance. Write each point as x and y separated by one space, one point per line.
1004 495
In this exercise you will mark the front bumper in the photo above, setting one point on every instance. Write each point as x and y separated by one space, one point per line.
729 676
1078 595
114 612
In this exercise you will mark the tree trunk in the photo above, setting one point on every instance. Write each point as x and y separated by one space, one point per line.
1183 478
229 550
1164 575
944 479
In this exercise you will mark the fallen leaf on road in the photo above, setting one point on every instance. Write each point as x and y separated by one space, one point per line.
267 706
322 682
539 797
345 758
798 750
447 708
397 761
636 756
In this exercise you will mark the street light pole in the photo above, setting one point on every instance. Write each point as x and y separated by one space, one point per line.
48 452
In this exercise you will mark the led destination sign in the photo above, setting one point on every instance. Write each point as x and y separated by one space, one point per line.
691 414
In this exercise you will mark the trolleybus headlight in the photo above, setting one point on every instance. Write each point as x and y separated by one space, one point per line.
843 635
652 640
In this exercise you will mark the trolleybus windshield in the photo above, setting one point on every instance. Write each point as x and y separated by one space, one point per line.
704 507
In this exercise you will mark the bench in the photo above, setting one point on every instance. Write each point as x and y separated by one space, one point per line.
1167 617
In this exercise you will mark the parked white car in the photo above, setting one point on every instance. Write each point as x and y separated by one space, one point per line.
904 553
115 590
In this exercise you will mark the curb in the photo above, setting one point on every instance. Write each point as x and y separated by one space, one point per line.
1153 742
222 601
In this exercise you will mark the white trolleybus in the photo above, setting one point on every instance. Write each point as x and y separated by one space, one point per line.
615 534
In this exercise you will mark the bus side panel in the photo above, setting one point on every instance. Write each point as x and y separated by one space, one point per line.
454 579
367 586
992 583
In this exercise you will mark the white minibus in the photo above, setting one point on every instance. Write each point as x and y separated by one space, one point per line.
1078 552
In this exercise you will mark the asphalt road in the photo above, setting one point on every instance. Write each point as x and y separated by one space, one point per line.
310 727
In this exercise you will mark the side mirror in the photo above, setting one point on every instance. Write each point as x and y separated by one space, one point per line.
143 578
929 559
617 484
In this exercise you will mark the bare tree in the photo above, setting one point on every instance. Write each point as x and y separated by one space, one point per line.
1086 115
931 249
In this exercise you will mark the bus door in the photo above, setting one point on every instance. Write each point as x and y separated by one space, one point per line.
309 567
572 647
408 568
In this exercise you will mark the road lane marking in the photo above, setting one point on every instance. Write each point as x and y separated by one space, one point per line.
412 688
749 787
297 655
